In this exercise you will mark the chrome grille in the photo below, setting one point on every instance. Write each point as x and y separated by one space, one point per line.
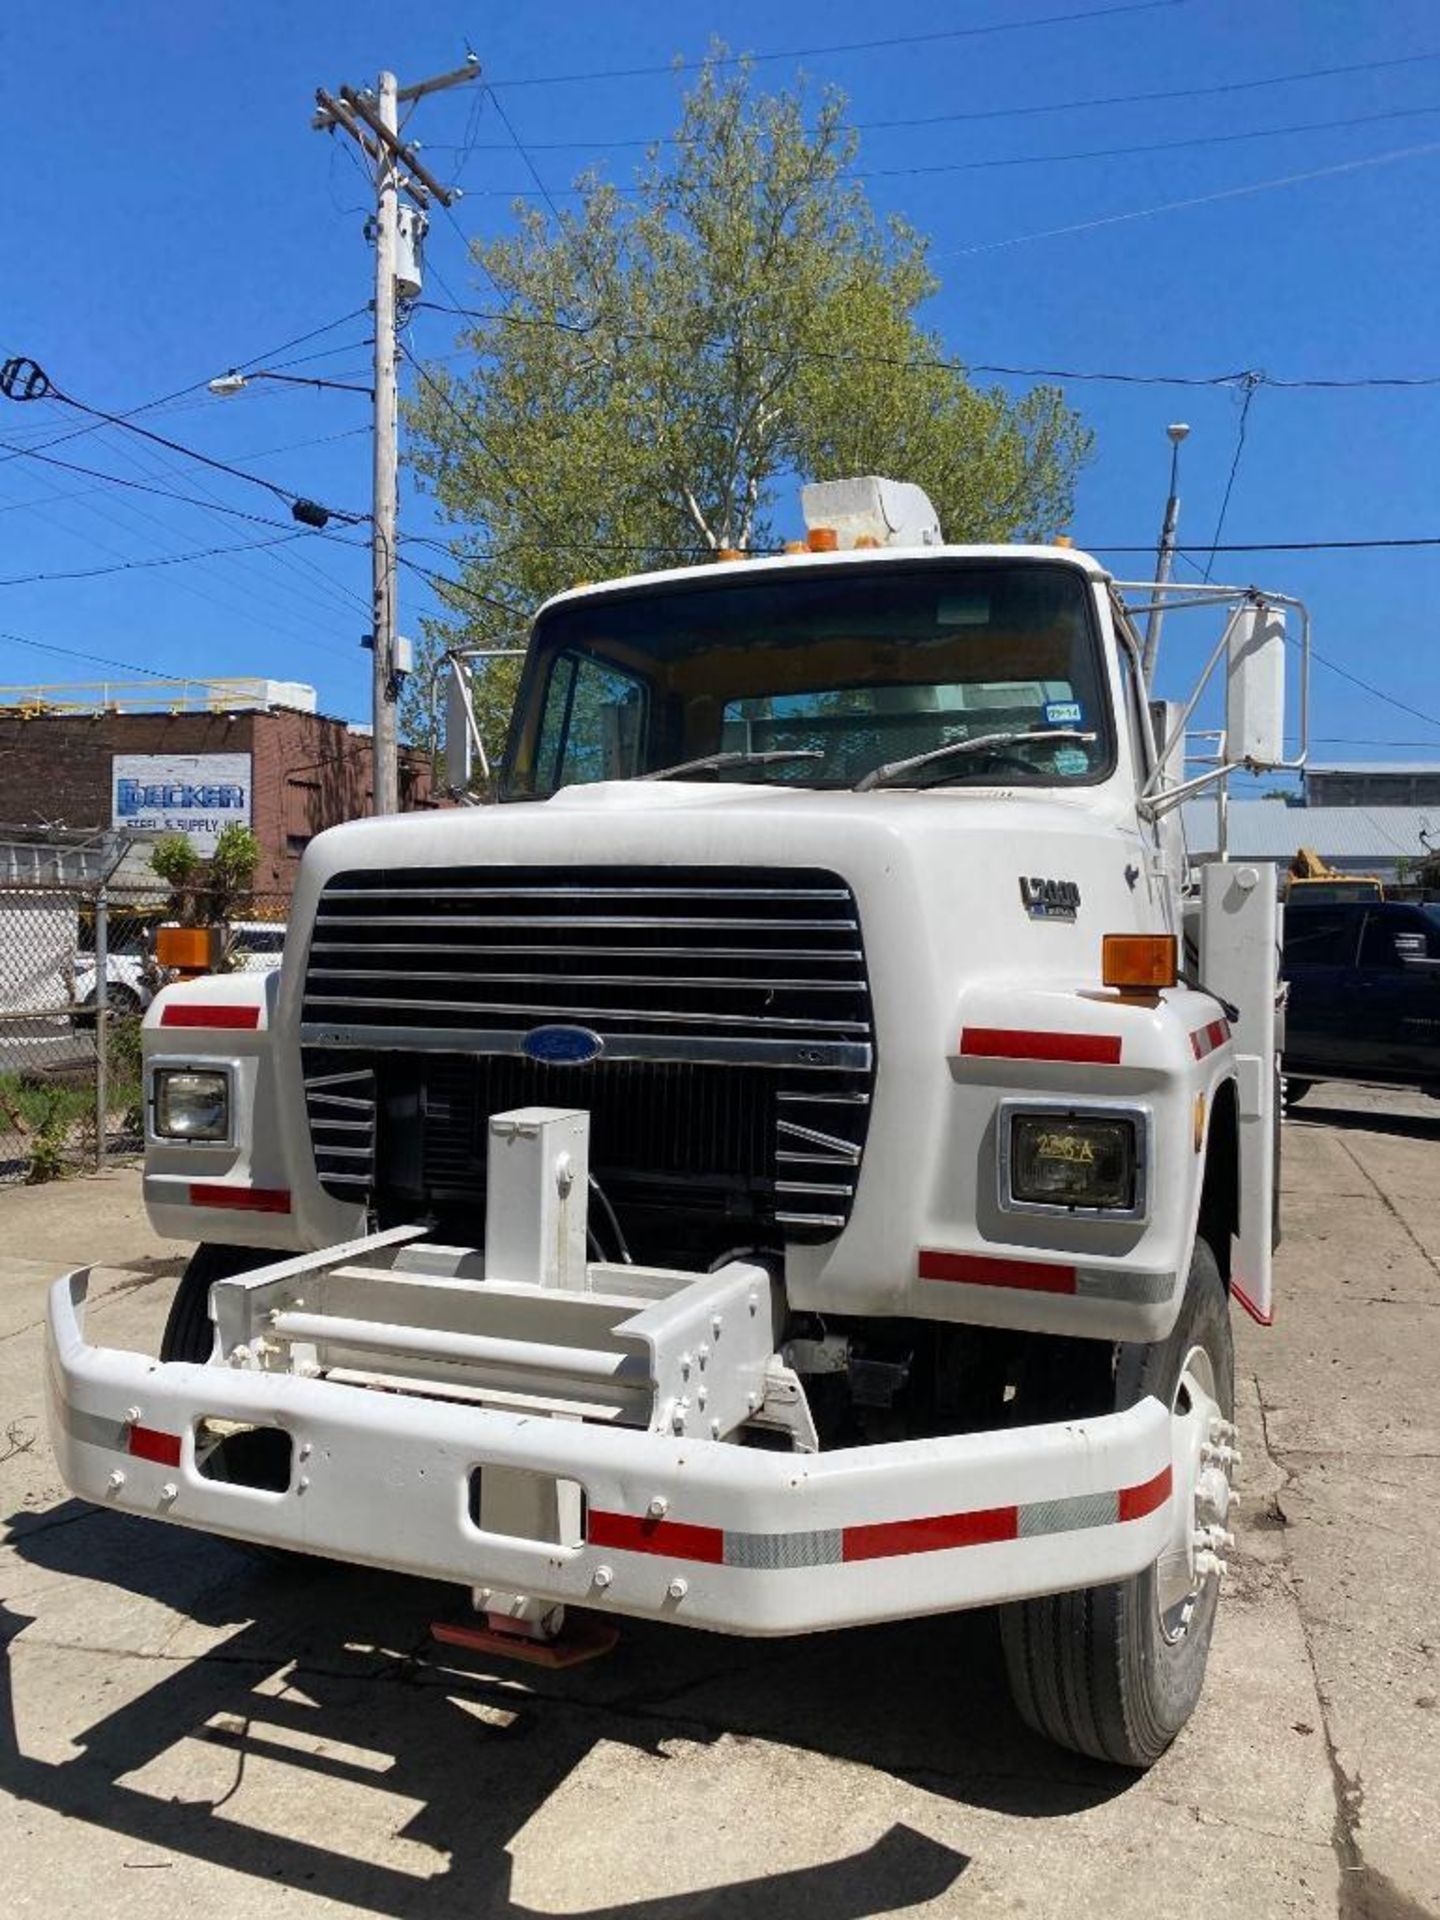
752 980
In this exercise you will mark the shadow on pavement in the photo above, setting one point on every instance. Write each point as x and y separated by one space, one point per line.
1399 1126
324 1658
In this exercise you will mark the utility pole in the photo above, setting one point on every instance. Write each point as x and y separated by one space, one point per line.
372 120
1165 553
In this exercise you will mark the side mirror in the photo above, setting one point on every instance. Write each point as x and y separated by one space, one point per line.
1255 686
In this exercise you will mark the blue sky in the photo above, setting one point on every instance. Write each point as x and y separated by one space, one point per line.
171 213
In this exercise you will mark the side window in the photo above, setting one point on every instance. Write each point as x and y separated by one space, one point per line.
1389 939
1130 720
1320 937
592 726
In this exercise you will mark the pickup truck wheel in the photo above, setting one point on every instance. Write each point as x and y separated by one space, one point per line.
260 1458
1116 1671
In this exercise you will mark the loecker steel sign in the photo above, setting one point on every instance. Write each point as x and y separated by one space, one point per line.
191 793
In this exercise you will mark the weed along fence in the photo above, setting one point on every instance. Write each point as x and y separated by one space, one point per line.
78 920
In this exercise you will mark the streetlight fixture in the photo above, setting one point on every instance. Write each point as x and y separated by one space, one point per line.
224 384
1177 431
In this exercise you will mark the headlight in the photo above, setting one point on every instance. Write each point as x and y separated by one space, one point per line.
190 1105
1074 1160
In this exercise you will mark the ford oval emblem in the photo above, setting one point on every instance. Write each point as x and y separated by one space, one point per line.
562 1046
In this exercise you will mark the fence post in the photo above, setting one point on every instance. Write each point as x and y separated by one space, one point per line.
102 1022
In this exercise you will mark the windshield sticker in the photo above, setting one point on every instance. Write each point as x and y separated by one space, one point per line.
1071 760
1062 713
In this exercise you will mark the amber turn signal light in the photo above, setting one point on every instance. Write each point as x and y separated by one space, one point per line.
189 949
1140 962
822 540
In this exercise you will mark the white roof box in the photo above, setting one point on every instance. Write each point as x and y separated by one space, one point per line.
872 512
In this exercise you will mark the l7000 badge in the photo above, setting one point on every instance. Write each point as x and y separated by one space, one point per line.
1049 899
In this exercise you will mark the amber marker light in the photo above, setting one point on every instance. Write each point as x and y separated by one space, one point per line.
823 540
1140 962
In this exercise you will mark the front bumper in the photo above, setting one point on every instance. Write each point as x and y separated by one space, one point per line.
705 1533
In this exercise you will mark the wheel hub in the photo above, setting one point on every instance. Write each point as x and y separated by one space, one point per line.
1202 1458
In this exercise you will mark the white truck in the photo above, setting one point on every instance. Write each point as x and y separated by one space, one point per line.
787 1167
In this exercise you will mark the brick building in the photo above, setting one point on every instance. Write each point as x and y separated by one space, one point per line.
290 772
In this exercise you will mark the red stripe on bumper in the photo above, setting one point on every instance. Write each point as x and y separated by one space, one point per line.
1017 1043
240 1199
1133 1503
983 1270
941 1530
187 1014
639 1534
148 1443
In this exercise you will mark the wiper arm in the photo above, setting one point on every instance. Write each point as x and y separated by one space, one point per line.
881 776
709 762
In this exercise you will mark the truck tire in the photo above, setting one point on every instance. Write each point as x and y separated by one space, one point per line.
261 1458
189 1334
1115 1671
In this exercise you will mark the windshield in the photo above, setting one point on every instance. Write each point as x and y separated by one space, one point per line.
849 667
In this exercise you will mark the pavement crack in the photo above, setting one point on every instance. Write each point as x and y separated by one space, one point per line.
1389 1205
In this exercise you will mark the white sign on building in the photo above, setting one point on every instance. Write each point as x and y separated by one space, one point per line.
196 794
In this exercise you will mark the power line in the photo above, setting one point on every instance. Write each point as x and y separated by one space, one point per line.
296 502
846 46
72 653
991 163
1245 405
150 406
165 493
1241 378
1198 200
162 560
1000 113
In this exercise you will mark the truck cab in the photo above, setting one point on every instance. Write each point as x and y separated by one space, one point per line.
770 1172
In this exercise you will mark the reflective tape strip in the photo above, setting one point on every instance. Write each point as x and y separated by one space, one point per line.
186 1013
1204 1040
989 1270
876 1540
148 1443
1045 1276
1260 1319
211 1193
1020 1043
1123 1283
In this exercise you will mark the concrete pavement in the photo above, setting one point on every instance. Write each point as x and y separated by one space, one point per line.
187 1729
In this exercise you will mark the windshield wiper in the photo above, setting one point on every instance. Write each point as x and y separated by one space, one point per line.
739 758
978 743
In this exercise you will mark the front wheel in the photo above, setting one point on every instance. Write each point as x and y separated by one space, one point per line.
1116 1671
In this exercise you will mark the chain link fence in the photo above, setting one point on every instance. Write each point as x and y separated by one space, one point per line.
77 972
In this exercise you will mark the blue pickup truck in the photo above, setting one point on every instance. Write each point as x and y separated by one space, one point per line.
1364 993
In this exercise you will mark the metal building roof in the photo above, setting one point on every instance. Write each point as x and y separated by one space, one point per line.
1269 830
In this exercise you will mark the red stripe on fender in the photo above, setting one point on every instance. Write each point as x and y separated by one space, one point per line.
1260 1319
1017 1043
941 1530
205 1193
634 1533
186 1013
1204 1040
148 1443
1133 1503
983 1270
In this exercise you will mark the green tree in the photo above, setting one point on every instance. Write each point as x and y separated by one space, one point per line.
658 367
